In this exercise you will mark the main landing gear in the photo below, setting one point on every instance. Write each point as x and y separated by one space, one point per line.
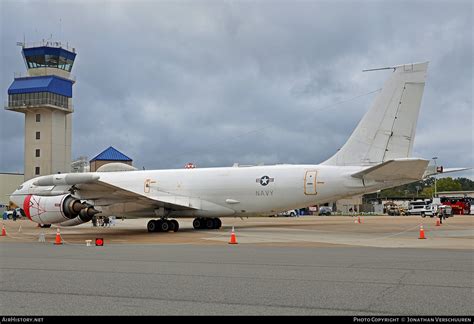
207 223
162 225
165 225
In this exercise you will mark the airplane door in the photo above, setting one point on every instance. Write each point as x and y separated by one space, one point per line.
147 185
310 183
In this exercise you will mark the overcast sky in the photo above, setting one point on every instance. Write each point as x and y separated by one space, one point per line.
218 82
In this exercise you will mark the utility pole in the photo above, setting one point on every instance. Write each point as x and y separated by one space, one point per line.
434 159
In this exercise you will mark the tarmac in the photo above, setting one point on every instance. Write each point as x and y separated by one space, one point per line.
309 265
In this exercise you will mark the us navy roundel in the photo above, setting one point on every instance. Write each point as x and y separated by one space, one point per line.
265 180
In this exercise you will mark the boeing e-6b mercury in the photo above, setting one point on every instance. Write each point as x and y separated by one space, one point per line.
376 156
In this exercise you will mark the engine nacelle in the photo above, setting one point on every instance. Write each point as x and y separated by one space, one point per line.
52 209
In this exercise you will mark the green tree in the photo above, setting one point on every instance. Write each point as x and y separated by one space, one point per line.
427 192
448 184
466 184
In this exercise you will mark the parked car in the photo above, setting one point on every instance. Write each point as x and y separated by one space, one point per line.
325 210
19 213
289 213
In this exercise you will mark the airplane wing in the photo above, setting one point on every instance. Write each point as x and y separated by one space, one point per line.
105 194
88 186
91 187
409 169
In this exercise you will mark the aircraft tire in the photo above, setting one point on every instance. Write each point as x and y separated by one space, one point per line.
152 226
197 223
158 225
165 226
218 223
210 223
174 225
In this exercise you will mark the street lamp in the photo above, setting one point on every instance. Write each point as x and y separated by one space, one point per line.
434 159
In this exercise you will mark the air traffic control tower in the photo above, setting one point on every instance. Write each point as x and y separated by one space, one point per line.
44 95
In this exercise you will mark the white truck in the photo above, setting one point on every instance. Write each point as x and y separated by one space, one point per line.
439 210
419 207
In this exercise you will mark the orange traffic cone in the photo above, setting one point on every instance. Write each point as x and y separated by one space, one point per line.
4 232
438 223
58 240
422 233
358 220
233 240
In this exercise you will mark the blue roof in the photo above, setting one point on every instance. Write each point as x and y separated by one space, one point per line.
111 154
50 83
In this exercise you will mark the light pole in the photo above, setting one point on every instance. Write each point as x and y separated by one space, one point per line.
436 170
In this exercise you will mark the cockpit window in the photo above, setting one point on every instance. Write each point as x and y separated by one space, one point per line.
20 187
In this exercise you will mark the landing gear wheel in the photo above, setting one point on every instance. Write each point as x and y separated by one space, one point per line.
158 225
152 226
197 223
165 226
174 225
210 224
218 223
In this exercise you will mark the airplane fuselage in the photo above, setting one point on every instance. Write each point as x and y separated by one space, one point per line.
235 191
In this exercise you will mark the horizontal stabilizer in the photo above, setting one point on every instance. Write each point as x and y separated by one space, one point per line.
436 170
394 170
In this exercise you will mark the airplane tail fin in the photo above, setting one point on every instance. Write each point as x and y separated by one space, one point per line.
387 130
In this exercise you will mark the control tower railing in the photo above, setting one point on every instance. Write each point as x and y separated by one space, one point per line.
47 43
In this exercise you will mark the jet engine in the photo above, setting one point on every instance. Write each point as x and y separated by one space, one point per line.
57 209
84 216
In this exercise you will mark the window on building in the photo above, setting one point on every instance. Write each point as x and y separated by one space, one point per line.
38 136
37 153
38 118
38 98
37 170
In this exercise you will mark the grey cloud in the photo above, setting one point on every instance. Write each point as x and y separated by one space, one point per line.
250 82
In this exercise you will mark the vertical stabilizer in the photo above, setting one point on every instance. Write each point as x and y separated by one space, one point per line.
387 130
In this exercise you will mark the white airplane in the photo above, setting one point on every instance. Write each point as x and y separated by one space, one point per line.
376 156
